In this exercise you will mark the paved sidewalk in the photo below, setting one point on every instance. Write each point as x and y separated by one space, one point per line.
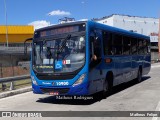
15 92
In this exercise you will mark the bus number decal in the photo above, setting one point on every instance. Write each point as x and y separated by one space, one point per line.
62 83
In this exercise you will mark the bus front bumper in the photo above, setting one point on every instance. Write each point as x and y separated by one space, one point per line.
81 89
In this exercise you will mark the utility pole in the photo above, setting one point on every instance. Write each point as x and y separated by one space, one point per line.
5 6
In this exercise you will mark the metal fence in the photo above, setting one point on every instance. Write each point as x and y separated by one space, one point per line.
12 83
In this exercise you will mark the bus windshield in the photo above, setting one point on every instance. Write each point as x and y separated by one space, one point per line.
59 55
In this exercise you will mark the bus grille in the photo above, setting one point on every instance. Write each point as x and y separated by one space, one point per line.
59 90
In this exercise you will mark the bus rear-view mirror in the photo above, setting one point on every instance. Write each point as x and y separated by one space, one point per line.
26 46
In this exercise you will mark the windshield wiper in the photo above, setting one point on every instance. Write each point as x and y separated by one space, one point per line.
63 45
49 53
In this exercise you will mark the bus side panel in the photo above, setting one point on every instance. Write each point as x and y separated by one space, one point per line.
95 81
146 64
97 75
126 68
135 66
118 71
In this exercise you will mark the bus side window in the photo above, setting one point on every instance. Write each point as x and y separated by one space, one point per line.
140 46
107 43
126 45
134 46
95 44
117 44
95 50
146 46
91 46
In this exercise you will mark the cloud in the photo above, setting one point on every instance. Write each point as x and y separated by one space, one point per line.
40 23
59 13
82 2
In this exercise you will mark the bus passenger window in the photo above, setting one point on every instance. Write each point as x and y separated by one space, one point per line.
146 46
140 46
91 46
117 44
95 51
107 43
97 47
126 45
134 46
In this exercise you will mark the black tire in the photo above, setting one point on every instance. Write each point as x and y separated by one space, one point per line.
139 76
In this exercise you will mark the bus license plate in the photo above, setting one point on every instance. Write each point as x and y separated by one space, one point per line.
53 93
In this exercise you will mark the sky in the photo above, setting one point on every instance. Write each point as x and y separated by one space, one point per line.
47 12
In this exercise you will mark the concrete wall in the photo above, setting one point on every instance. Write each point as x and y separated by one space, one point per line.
9 65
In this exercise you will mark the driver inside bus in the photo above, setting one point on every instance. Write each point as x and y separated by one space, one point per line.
97 55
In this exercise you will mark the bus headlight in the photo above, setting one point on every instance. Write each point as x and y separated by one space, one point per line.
80 80
33 80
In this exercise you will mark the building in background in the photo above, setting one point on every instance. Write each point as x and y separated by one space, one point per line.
16 34
142 25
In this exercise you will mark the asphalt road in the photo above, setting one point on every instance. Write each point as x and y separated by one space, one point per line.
144 96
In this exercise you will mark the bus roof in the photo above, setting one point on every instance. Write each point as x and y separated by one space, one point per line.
100 26
117 30
61 25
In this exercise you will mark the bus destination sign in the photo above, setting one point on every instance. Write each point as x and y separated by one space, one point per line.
58 31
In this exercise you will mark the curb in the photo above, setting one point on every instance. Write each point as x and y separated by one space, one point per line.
15 92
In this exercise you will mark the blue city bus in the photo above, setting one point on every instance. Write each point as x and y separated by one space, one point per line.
86 57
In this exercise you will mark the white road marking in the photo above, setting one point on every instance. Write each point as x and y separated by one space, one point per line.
157 109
